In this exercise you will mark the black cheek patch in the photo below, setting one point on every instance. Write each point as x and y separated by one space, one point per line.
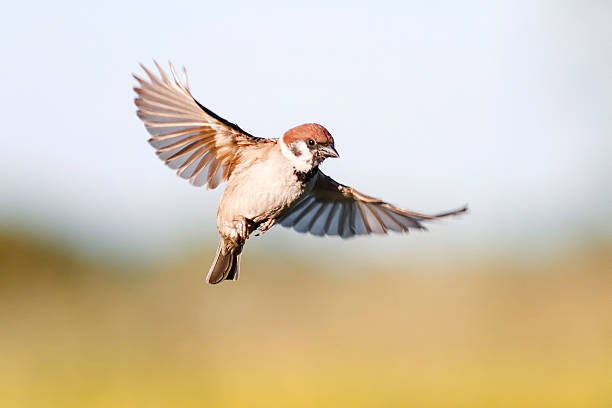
294 149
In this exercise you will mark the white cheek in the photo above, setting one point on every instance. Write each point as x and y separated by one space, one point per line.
304 151
303 161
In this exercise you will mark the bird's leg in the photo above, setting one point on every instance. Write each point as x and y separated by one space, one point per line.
241 224
266 226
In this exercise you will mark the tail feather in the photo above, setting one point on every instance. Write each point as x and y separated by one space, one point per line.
234 273
226 265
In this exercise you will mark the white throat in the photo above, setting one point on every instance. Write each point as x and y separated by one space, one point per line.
302 159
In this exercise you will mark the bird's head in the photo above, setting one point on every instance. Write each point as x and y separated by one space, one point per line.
306 146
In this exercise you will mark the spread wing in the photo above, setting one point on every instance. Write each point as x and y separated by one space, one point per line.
188 137
335 209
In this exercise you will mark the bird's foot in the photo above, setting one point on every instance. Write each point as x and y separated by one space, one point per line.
266 226
241 225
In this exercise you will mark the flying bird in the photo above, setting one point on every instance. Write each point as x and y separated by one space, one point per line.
269 181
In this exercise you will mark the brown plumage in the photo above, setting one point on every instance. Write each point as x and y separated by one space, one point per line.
269 181
308 130
200 145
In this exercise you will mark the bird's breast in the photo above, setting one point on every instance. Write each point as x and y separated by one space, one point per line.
259 192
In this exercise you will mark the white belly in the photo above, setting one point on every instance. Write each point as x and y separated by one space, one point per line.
258 192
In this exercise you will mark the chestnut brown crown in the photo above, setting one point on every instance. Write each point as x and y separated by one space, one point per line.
308 131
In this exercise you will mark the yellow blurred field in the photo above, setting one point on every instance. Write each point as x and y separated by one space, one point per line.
470 333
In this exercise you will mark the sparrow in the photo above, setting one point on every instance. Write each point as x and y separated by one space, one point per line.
269 181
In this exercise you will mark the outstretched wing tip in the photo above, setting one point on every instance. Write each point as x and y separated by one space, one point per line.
464 209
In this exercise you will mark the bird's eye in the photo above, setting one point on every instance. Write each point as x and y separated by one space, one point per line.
311 142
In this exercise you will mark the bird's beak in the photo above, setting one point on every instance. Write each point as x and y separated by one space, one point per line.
329 151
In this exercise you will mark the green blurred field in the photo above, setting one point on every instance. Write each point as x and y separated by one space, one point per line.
492 332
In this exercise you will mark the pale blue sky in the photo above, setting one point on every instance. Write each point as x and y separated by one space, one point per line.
503 105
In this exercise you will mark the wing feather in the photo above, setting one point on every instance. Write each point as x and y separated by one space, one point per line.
335 209
188 137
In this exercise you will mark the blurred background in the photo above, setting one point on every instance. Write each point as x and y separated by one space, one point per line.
103 251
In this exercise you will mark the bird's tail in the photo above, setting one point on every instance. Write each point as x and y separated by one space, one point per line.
226 265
